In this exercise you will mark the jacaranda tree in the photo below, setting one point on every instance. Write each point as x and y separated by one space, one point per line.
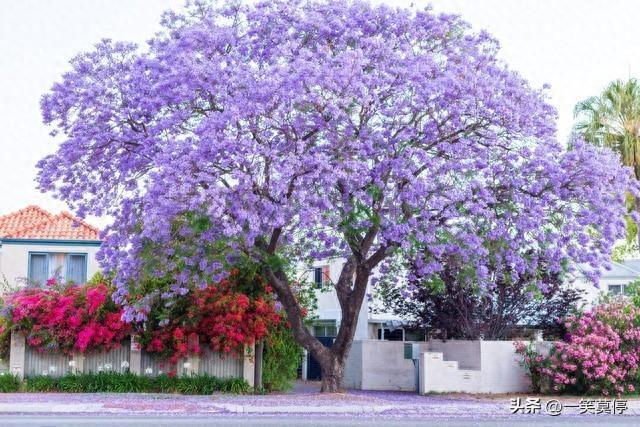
307 128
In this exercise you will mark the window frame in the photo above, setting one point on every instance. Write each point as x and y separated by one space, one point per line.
68 255
29 257
325 324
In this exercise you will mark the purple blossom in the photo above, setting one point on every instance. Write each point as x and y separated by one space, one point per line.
319 122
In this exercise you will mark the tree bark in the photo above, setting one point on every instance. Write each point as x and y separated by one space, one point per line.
332 373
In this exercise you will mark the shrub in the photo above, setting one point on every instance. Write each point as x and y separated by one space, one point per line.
9 383
65 318
281 359
599 354
221 316
42 383
113 382
533 362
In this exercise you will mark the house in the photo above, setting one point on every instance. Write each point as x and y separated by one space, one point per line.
613 281
36 245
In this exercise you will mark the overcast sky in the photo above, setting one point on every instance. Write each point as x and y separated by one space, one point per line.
577 46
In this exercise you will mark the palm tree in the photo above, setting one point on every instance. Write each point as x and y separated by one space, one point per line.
613 120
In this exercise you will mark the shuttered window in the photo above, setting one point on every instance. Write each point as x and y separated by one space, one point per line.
76 268
321 275
61 266
38 268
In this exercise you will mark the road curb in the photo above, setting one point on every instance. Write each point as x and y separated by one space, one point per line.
294 409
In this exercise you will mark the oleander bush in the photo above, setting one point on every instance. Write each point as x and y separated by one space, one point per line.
599 354
9 383
113 382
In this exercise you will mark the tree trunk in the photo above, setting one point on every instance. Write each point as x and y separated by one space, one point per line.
332 370
350 289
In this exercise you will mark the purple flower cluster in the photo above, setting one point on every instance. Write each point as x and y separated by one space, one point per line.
320 125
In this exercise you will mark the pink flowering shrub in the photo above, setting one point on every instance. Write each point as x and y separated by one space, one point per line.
599 355
66 318
534 363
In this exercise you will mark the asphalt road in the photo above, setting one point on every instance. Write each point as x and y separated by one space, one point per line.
73 421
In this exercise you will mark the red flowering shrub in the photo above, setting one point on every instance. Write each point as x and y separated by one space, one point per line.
600 354
219 316
68 319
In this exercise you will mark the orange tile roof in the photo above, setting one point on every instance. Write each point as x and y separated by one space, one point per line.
34 222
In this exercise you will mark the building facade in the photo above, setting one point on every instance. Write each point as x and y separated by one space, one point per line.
37 245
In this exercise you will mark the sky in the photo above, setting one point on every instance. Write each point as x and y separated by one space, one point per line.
576 46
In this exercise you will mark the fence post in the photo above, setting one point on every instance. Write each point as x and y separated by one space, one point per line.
17 354
257 369
77 367
135 364
303 373
248 365
190 366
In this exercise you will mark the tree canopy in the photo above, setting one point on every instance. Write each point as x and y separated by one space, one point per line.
310 128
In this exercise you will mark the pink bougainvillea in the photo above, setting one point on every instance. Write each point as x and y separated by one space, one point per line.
66 318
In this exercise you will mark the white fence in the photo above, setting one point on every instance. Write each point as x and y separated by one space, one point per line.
25 361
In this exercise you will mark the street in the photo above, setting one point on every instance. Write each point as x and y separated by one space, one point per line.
174 421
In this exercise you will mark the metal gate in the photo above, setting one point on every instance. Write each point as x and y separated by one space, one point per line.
313 367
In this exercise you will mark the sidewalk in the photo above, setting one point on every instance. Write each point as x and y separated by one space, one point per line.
354 403
303 401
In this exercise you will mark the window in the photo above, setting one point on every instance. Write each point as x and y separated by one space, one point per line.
618 289
321 276
77 268
68 267
38 268
391 335
326 328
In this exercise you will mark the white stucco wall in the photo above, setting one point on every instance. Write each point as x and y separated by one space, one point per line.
14 258
499 371
445 366
379 365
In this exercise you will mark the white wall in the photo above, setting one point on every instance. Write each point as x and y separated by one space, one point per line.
446 366
499 371
379 365
591 293
14 258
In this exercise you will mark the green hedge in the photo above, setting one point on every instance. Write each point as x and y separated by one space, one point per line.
282 357
9 383
112 382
